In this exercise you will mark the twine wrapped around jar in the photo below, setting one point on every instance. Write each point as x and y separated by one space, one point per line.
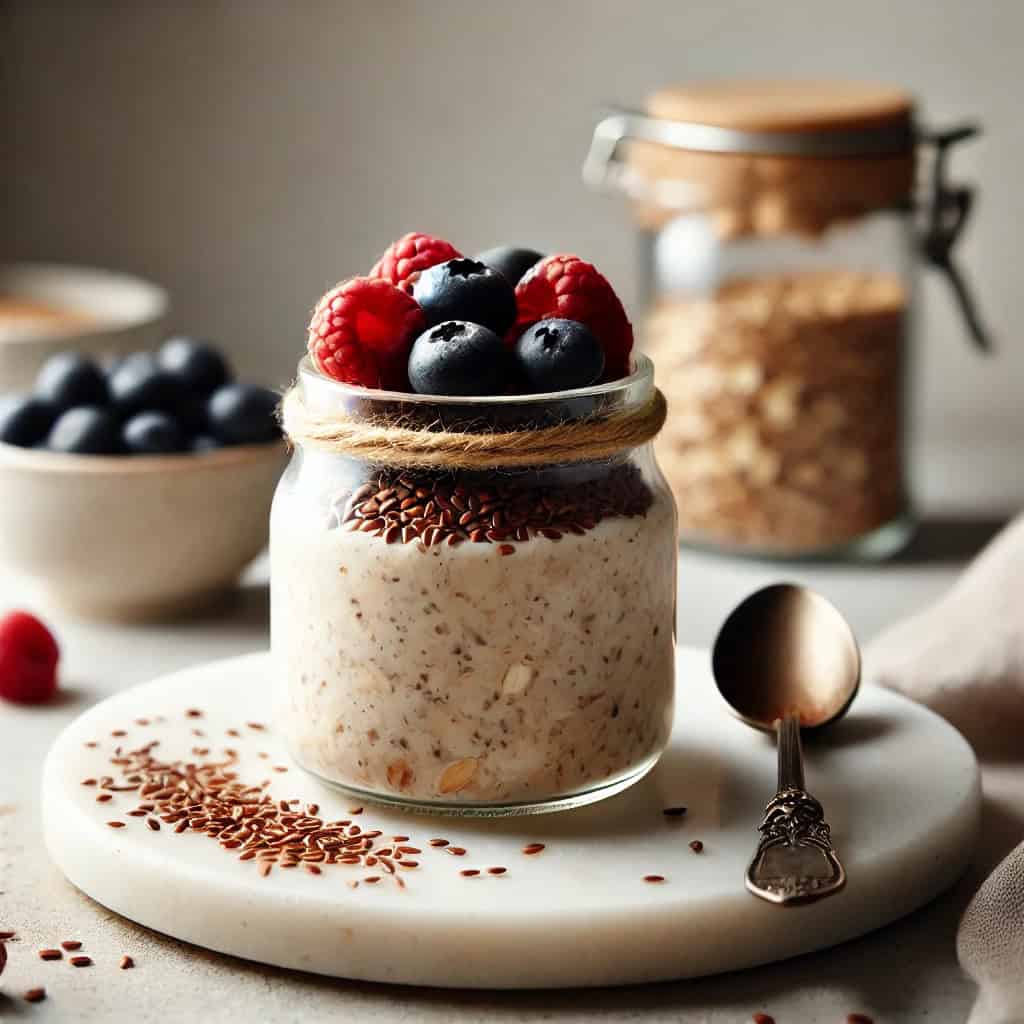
396 443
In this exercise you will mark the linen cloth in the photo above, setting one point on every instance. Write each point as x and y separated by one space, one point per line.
964 658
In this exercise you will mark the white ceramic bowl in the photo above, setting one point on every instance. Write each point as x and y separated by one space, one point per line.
123 314
135 537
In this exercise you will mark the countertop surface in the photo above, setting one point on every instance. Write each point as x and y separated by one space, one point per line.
905 972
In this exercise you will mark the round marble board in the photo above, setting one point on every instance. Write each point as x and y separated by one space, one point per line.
900 789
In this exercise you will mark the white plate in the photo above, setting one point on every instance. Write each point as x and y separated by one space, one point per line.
900 788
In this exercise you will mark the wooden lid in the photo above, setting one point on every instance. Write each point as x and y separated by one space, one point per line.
785 106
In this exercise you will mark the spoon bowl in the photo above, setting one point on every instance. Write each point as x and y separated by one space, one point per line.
784 650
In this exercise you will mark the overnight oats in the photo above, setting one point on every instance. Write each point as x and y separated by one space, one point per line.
473 550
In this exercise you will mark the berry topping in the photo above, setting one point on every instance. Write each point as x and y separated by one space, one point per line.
152 433
468 290
140 384
509 262
28 659
86 431
361 333
558 355
243 414
196 362
69 379
458 358
25 420
403 261
567 287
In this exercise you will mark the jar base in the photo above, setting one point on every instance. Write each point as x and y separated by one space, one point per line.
511 809
881 543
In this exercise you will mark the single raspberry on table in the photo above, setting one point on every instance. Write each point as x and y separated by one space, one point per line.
403 261
28 659
362 331
569 288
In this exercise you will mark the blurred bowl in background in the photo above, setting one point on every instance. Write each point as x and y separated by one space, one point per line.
48 307
135 538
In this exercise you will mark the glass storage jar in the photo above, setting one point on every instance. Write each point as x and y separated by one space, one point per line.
487 640
781 231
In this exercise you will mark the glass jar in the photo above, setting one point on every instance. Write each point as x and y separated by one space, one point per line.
486 641
780 236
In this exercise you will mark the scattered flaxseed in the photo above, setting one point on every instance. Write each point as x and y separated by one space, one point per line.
193 713
70 945
496 871
506 549
50 954
103 798
469 872
142 721
80 961
437 842
280 768
91 744
115 824
407 849
88 782
34 995
653 879
456 851
401 839
533 848
258 726
153 824
266 867
313 869
372 879
119 732
355 810
674 812
409 864
232 732
697 846
127 963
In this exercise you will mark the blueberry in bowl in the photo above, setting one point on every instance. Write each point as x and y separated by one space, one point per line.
145 497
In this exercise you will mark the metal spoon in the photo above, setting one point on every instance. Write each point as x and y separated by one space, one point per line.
784 660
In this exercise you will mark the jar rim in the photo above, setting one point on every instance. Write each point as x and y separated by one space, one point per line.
640 382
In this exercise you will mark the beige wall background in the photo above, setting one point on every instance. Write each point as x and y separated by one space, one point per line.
248 154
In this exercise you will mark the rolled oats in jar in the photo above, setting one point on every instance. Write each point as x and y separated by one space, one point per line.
781 234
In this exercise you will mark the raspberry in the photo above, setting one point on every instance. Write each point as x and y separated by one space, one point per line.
362 331
571 289
404 260
28 659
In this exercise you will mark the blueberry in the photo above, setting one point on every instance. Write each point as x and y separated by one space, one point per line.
458 358
25 420
204 443
87 430
191 415
152 433
511 263
69 379
243 414
197 362
139 384
466 290
558 355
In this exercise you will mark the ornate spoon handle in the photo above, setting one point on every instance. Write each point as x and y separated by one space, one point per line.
795 861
